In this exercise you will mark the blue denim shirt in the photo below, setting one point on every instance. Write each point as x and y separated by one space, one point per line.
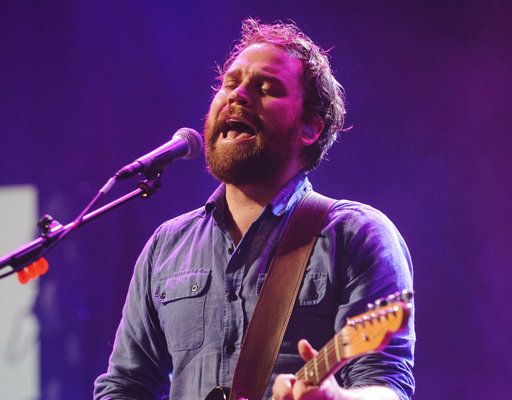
193 293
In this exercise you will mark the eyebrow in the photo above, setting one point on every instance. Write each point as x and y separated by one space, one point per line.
258 74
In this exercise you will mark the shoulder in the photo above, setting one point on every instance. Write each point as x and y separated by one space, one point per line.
352 215
173 230
181 223
364 229
351 208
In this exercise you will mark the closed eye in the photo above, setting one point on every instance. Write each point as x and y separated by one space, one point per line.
271 89
230 84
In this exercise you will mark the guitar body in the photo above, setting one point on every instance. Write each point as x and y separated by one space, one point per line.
218 393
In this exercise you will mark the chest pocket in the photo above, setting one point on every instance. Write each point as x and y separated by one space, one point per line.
312 290
182 299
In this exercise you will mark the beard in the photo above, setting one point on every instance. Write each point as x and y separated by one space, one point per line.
249 162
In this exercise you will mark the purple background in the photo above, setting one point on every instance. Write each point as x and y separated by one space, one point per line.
86 87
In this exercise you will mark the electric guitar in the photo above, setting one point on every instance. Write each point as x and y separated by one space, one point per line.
363 334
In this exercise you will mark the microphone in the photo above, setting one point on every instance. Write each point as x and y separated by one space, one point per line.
186 143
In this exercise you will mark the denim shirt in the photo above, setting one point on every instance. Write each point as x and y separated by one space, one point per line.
193 293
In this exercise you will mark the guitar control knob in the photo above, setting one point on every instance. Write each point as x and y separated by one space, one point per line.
407 295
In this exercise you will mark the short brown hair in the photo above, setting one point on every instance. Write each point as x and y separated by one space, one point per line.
323 94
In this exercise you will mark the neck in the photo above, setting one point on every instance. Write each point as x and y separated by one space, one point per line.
246 202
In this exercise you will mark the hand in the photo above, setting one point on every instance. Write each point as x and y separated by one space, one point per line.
288 387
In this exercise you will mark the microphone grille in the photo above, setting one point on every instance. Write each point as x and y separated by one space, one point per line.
194 141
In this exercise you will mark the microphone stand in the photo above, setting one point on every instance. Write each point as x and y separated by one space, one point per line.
53 232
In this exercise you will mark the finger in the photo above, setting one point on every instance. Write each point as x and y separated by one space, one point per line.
304 392
282 388
306 351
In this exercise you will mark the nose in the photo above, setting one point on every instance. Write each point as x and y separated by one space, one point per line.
239 96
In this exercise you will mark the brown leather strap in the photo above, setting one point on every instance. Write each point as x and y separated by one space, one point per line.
264 335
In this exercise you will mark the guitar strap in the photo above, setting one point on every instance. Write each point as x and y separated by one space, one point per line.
262 341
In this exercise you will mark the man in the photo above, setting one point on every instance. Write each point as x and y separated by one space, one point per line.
276 111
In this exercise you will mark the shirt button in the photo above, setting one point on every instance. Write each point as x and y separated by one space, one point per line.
230 348
232 297
194 288
162 295
231 250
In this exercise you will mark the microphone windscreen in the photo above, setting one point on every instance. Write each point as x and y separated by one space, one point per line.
194 141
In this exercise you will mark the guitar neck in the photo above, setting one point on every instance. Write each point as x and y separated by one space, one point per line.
364 334
328 360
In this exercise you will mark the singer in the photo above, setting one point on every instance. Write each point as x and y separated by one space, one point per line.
276 112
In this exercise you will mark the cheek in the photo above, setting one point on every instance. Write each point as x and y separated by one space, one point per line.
219 100
283 114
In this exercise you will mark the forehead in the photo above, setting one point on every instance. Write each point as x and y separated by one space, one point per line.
268 59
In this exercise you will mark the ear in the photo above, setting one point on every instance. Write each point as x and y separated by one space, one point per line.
311 131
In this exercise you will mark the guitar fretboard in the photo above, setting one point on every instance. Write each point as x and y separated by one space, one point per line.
362 335
320 366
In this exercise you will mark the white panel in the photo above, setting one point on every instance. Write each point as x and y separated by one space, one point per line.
19 347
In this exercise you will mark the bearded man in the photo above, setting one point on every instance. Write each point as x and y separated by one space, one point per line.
277 110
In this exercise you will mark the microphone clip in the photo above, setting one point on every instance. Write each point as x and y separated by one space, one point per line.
149 186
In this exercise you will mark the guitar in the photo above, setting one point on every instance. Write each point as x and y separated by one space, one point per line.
363 334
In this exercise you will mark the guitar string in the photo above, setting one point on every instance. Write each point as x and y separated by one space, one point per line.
355 337
330 349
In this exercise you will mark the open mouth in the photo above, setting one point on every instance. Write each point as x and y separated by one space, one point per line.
237 129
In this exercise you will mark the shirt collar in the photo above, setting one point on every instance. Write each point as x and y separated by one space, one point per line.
291 193
217 198
284 201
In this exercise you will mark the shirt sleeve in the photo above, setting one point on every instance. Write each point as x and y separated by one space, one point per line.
375 262
140 364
